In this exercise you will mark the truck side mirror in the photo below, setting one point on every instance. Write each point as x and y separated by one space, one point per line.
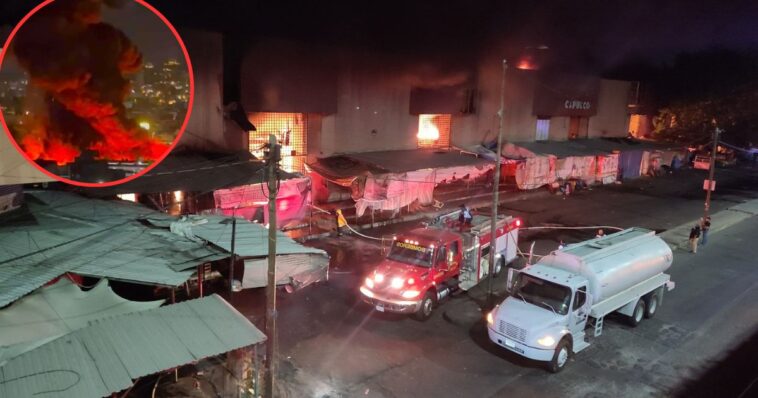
512 273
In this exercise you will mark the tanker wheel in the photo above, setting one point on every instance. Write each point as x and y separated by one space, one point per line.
652 305
637 314
560 357
425 310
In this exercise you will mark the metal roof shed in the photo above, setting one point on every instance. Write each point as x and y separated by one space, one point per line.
108 355
297 265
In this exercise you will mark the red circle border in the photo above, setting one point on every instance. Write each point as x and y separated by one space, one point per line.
146 169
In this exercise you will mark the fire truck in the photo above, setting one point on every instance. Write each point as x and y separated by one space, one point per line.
426 265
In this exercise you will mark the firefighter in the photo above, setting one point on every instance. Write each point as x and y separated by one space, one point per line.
465 217
341 221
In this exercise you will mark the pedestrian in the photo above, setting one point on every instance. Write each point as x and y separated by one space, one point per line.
341 221
704 229
694 236
465 217
600 234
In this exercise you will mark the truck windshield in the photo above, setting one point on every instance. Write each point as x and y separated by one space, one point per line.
549 295
409 253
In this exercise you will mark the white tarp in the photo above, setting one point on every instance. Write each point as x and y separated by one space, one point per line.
607 168
535 172
395 190
298 270
645 165
576 167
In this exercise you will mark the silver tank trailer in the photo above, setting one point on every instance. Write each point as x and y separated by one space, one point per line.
616 266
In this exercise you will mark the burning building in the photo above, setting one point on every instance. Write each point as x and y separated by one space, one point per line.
79 69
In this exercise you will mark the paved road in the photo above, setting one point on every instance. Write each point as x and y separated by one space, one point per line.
331 345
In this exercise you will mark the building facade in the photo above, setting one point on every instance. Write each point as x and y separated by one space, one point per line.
323 101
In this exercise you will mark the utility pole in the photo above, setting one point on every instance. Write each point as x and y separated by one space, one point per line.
496 188
712 169
232 258
272 165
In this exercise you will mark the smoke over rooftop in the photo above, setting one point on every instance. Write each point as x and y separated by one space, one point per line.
80 68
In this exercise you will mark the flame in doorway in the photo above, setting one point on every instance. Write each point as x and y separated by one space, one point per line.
427 129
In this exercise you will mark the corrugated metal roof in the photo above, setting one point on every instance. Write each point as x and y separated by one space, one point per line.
60 308
194 172
251 240
106 356
416 159
63 232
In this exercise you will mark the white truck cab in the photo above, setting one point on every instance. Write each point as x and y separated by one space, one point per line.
550 303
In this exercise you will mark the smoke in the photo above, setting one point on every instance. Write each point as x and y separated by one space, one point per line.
81 64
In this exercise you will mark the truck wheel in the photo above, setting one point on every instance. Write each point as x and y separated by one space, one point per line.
498 267
427 305
652 305
560 357
637 314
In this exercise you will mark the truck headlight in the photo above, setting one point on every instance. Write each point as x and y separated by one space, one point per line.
410 294
397 283
369 283
490 319
547 341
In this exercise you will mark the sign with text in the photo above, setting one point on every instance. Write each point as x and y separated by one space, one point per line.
712 185
565 95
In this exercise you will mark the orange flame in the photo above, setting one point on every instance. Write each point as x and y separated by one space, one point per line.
427 129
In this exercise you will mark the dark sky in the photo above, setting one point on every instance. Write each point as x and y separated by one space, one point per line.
143 27
590 35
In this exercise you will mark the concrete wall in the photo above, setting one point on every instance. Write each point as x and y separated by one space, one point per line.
206 129
483 126
612 119
372 112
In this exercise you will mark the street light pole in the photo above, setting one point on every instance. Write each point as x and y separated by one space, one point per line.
271 344
496 188
711 171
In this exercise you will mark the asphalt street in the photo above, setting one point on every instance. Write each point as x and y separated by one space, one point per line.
332 345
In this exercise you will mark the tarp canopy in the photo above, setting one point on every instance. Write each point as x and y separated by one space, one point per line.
392 191
251 240
193 172
61 308
576 167
292 200
297 270
535 172
108 354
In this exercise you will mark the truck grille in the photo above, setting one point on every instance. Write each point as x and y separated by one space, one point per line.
512 331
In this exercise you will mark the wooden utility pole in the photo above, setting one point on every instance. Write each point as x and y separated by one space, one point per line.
232 258
711 171
496 188
272 166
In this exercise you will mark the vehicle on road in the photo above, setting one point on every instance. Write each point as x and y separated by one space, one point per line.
552 302
426 265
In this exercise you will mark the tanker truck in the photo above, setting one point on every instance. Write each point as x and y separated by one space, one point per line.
551 304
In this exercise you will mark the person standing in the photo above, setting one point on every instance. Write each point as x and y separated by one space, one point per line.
341 221
694 236
705 228
465 217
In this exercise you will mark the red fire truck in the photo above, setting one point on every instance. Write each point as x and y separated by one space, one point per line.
426 265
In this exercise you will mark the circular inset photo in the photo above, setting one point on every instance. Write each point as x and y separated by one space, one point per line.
96 92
